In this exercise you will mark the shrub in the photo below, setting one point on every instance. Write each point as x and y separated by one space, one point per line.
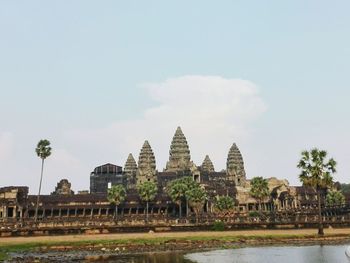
218 226
254 214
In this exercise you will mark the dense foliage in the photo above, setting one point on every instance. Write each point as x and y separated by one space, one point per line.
259 189
116 195
196 196
147 192
180 189
335 198
224 203
218 226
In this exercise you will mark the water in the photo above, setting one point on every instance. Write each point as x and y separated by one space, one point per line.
302 254
274 254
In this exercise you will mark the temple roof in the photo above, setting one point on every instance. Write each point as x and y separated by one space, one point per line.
207 165
179 154
130 165
146 157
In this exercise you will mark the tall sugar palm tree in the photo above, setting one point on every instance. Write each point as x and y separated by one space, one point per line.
147 191
43 150
317 172
116 195
259 189
177 191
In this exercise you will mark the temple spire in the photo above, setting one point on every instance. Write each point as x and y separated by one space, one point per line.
130 170
207 165
146 164
235 166
179 154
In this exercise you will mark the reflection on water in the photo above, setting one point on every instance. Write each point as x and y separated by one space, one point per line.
304 254
89 256
169 257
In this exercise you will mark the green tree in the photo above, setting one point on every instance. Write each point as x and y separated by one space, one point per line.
317 172
224 203
259 189
116 195
190 183
147 191
43 150
335 198
177 191
196 197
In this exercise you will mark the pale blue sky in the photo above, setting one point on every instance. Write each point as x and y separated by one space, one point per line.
81 65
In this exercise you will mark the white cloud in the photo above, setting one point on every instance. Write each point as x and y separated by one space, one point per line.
213 112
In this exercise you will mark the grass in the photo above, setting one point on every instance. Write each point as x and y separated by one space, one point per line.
227 242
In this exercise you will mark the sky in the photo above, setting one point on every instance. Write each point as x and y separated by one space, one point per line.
97 78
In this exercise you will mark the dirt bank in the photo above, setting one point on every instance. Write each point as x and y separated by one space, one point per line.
175 235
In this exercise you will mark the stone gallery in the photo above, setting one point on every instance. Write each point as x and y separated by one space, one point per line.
15 203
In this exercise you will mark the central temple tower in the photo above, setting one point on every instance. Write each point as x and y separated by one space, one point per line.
179 154
235 166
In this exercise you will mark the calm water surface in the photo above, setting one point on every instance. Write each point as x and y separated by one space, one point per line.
302 254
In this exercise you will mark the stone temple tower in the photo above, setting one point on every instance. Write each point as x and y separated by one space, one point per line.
235 166
147 165
207 165
130 170
179 154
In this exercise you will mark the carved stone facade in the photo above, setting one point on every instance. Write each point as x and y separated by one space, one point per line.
15 202
63 188
179 154
207 165
130 170
147 165
235 166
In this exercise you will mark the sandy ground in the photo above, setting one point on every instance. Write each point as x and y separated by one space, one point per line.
123 236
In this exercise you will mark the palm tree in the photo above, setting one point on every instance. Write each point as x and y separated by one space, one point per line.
335 198
147 191
177 191
196 197
316 172
43 150
190 183
224 203
116 195
259 189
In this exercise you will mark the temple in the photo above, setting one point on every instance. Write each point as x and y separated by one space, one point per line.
16 204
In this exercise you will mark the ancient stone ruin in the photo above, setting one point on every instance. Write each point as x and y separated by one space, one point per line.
207 165
147 165
63 188
235 166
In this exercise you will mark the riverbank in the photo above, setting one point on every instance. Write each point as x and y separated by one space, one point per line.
168 241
